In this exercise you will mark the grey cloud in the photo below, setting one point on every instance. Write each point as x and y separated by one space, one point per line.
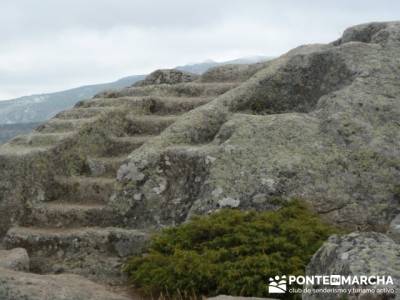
48 15
53 44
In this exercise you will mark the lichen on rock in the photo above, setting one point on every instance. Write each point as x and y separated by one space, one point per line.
357 254
317 123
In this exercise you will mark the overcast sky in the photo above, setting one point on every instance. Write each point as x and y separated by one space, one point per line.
50 45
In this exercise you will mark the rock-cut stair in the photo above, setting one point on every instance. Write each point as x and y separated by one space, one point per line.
76 231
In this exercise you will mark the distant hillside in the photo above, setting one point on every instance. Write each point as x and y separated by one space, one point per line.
39 108
25 113
200 68
9 131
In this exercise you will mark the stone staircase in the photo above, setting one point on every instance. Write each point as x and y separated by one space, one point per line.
75 230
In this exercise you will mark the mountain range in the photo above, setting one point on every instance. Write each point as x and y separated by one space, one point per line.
41 107
34 109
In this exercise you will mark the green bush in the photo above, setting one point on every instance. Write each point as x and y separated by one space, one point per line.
229 252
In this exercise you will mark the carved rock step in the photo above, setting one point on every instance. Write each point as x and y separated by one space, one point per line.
37 139
153 104
96 253
28 286
21 150
148 124
60 125
176 153
82 189
105 166
64 215
111 102
125 145
191 89
83 113
176 105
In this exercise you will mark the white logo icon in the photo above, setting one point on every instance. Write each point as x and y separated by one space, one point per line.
277 285
335 279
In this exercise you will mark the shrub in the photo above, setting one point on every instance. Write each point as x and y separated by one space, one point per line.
229 252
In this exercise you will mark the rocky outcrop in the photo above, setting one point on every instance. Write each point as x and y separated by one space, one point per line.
16 259
95 252
232 73
377 32
357 254
25 286
167 77
25 174
21 285
64 217
318 123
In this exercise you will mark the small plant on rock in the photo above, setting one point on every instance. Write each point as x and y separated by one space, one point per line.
229 252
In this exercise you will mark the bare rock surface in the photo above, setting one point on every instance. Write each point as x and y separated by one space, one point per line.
15 259
56 183
357 254
319 123
25 286
167 77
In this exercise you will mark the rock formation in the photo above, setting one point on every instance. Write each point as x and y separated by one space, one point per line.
57 182
320 123
24 286
15 259
17 284
357 254
167 77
